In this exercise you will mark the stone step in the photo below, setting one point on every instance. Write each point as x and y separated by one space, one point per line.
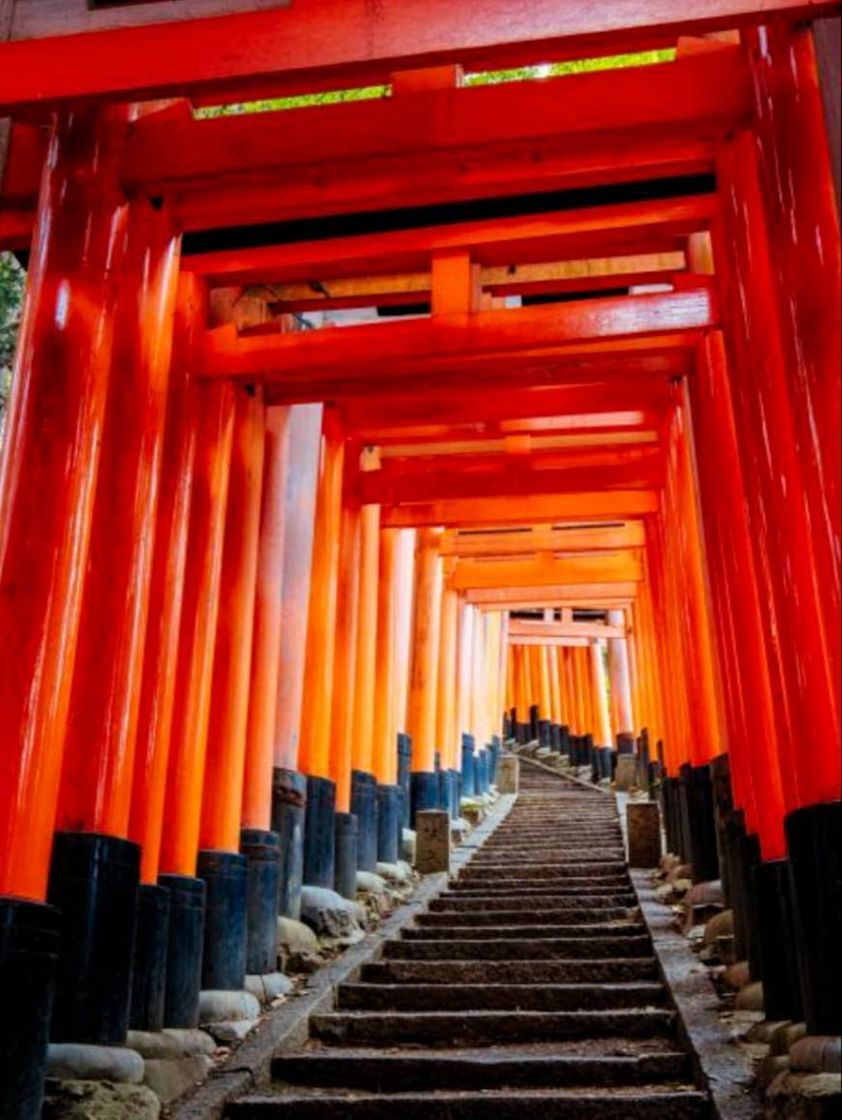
518 948
614 896
484 1028
560 913
553 930
644 1102
506 903
614 970
497 997
490 1068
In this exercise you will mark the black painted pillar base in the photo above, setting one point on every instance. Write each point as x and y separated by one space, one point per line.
777 942
289 805
749 861
508 726
94 881
389 824
704 856
533 722
320 833
263 868
404 770
564 739
469 769
364 808
670 811
345 859
625 742
29 947
544 733
522 734
224 953
443 788
455 794
555 736
149 971
495 750
424 789
723 804
813 838
184 949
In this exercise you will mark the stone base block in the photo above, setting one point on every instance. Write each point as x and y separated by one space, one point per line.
626 773
232 1032
644 832
222 1007
172 1078
509 775
269 986
432 854
171 1043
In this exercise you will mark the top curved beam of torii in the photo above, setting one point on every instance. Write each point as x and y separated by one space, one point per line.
313 44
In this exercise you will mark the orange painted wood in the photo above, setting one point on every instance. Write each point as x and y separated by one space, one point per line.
314 743
389 351
166 586
365 666
344 40
384 732
541 630
342 727
266 637
97 773
525 541
222 796
423 680
305 427
404 594
583 506
464 672
47 486
544 570
200 608
446 738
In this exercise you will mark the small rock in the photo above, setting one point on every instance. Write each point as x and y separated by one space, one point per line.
736 976
221 1006
669 862
399 873
790 1087
99 1100
269 987
235 1030
681 886
663 893
769 1068
681 871
766 1030
76 1061
369 883
706 894
408 846
785 1037
169 1079
295 937
170 1043
329 914
750 998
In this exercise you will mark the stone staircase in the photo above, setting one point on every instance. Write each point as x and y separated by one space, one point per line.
528 989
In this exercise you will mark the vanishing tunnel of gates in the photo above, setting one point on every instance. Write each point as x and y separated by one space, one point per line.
347 440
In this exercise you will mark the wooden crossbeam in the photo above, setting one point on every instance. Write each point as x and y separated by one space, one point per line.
316 42
608 505
528 541
536 630
319 363
547 571
583 595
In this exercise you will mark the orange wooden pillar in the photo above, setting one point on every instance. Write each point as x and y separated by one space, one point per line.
464 682
220 864
289 786
96 784
618 666
390 818
602 725
405 590
544 695
314 747
555 687
342 699
446 688
191 712
48 475
521 693
266 638
423 682
569 690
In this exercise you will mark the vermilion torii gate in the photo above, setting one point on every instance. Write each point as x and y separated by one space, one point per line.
256 537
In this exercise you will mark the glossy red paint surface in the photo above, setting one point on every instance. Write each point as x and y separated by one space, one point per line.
48 475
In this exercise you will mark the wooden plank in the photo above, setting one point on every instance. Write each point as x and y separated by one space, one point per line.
546 571
611 505
525 542
314 42
385 352
522 628
582 595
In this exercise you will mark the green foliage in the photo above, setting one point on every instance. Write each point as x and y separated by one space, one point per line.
11 299
483 78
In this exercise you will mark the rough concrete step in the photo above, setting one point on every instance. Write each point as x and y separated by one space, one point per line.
497 997
611 895
615 970
644 1102
541 915
491 1068
589 871
567 857
484 1028
518 948
553 930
